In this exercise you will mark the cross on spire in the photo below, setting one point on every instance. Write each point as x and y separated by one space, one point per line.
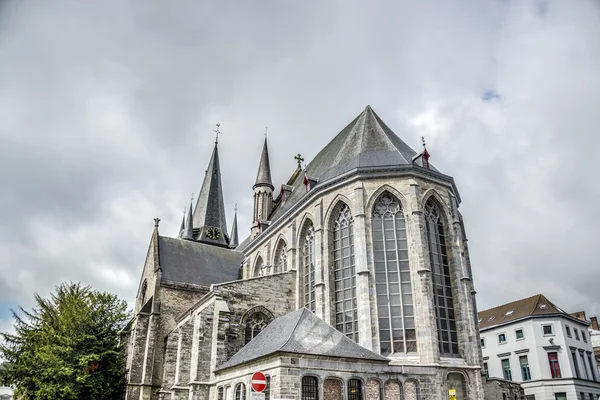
425 153
217 132
299 158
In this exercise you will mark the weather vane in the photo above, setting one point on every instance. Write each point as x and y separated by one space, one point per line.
423 140
218 132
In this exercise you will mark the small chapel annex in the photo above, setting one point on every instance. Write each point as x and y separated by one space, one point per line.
354 284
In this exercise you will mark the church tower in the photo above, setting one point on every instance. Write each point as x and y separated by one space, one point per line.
209 222
263 193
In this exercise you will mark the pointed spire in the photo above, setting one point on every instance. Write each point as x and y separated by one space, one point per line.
263 177
182 226
234 239
210 208
188 230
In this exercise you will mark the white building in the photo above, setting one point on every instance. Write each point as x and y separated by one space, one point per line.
6 393
535 343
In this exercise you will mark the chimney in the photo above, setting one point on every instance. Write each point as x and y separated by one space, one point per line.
594 321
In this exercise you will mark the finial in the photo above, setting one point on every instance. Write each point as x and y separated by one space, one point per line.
423 140
218 132
299 159
192 199
235 207
156 221
266 129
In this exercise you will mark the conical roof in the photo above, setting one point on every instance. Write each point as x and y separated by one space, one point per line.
365 142
263 176
301 332
188 229
234 240
210 208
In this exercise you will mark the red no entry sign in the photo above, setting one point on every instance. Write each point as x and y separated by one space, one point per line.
259 382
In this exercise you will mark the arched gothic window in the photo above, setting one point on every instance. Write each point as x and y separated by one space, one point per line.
258 267
254 325
308 268
457 382
240 392
392 277
354 389
281 257
442 283
344 274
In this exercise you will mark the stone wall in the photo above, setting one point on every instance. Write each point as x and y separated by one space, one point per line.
496 389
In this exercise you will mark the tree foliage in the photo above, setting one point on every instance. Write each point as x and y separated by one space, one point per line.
67 347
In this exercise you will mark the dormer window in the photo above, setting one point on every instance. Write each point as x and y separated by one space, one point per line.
543 306
491 318
509 313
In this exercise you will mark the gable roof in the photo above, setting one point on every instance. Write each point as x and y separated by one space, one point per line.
301 332
531 306
195 263
367 142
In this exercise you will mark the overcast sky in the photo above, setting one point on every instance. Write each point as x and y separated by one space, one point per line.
107 110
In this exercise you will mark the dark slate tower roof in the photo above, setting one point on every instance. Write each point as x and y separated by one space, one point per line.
263 176
234 240
188 229
210 208
301 332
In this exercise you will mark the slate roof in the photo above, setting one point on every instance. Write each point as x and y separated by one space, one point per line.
197 263
234 240
210 208
263 176
367 142
531 306
301 332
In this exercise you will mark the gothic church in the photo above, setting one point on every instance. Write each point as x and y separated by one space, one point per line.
355 283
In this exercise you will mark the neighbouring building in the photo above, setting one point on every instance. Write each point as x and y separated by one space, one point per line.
535 343
354 283
594 334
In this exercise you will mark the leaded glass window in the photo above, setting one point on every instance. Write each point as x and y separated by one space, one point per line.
442 284
354 389
346 314
308 268
259 267
310 389
281 258
240 392
392 277
254 325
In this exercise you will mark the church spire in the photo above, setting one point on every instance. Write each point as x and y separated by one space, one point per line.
263 176
188 230
233 238
209 222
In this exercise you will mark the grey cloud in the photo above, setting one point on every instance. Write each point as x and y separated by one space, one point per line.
107 111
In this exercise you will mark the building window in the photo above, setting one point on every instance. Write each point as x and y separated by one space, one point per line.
240 392
308 268
560 396
457 382
486 371
575 366
281 257
267 390
392 276
354 389
584 372
576 333
506 369
259 267
519 334
143 292
442 284
220 393
582 395
525 372
591 364
530 397
346 310
482 342
568 331
554 366
501 338
583 337
548 330
310 390
254 325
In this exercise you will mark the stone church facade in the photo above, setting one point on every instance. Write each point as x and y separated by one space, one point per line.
354 283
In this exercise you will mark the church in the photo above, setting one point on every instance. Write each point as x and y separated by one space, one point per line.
354 283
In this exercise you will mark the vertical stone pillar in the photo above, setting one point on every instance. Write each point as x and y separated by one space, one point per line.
365 323
320 268
422 284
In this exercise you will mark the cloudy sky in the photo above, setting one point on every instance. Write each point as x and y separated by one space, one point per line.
107 110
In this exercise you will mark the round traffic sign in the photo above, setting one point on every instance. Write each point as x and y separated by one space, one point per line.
259 382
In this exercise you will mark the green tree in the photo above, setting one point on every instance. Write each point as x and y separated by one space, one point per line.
67 347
